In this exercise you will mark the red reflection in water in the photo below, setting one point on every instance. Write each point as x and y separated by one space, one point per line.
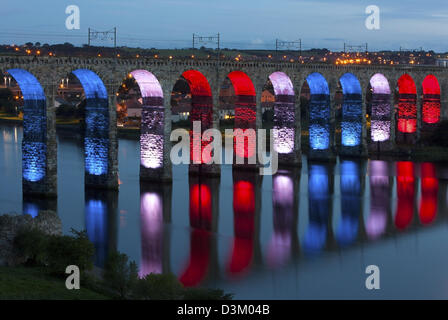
201 220
430 189
244 224
406 194
245 111
407 108
199 258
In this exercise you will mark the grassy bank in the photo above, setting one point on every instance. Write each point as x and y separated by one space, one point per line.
35 283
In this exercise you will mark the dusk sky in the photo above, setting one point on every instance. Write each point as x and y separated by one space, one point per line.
242 23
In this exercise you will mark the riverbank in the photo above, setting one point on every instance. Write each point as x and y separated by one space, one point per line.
34 283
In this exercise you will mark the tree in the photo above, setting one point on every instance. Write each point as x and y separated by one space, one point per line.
119 274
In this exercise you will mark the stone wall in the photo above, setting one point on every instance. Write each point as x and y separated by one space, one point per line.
10 224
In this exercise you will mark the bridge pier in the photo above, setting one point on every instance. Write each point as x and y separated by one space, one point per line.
101 144
163 172
32 148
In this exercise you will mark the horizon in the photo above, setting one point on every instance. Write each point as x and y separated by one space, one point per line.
164 24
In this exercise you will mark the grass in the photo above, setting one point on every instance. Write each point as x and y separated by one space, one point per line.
35 283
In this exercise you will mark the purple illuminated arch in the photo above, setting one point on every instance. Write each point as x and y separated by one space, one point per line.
148 84
284 116
379 84
380 117
282 84
152 124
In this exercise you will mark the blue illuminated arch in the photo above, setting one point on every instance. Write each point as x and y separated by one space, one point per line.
350 84
92 84
319 121
317 84
351 126
96 141
34 147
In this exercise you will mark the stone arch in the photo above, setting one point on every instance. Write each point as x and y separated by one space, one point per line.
201 112
152 123
351 124
245 111
284 114
319 113
431 100
34 143
381 109
97 142
407 105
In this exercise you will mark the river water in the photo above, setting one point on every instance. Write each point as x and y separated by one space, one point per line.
308 234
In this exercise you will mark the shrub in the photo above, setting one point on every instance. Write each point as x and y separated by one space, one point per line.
119 274
70 250
55 252
159 287
206 294
32 245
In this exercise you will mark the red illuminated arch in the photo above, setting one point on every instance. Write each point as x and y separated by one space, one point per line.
406 85
201 110
242 84
431 100
431 85
407 107
198 83
245 110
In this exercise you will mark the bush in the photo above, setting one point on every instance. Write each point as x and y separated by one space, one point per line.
55 252
119 274
159 287
32 245
70 250
206 294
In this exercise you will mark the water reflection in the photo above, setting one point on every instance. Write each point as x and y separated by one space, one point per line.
406 194
204 201
320 189
33 205
351 201
283 243
429 193
380 198
246 213
155 210
101 222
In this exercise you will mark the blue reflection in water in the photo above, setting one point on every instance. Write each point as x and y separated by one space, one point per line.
351 125
34 150
319 126
350 202
96 226
319 202
31 208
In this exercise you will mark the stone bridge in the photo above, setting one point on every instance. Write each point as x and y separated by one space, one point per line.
391 120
